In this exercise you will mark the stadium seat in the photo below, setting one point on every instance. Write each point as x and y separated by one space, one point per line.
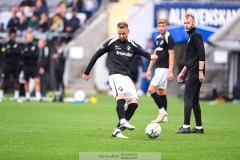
76 53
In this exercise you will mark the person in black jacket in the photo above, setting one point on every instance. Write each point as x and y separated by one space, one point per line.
195 69
31 66
13 22
11 52
72 25
59 59
43 61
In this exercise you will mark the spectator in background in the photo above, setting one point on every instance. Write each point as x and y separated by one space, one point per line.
59 65
62 5
23 24
57 24
72 25
33 24
31 67
26 3
43 61
62 14
76 4
40 8
90 7
13 23
44 3
43 23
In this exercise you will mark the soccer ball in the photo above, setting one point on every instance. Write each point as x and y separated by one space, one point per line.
79 97
153 130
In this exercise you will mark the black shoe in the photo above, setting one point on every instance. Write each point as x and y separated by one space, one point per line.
183 130
195 130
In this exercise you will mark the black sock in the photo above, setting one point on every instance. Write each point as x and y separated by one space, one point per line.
130 111
164 101
120 108
157 100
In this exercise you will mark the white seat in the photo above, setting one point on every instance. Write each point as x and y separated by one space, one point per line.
76 52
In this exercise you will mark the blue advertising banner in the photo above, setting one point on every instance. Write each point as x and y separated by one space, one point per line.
208 18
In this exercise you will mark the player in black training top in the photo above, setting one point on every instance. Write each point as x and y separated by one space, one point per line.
12 52
120 53
31 66
195 68
164 48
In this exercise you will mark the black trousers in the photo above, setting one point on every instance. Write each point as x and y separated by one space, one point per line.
191 99
44 83
59 80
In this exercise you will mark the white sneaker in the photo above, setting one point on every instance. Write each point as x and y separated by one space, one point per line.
159 117
126 125
118 134
165 119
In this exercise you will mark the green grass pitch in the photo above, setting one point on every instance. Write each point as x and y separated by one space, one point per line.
59 131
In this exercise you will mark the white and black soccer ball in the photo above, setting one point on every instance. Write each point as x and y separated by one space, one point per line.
79 97
153 130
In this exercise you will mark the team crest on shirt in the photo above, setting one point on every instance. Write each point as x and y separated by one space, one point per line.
128 48
120 88
161 42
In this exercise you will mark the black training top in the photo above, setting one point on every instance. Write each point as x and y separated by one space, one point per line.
195 50
12 52
120 55
30 55
162 45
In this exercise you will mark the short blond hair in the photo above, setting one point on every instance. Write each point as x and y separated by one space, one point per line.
162 21
187 15
122 25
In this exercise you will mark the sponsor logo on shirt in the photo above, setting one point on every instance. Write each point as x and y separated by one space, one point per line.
124 54
117 47
159 49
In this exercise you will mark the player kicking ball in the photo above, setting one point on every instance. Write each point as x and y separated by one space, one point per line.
120 54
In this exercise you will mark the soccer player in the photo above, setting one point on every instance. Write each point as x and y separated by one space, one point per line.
31 67
164 49
12 52
120 53
195 69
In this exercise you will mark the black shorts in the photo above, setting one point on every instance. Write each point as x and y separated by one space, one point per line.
10 69
30 72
